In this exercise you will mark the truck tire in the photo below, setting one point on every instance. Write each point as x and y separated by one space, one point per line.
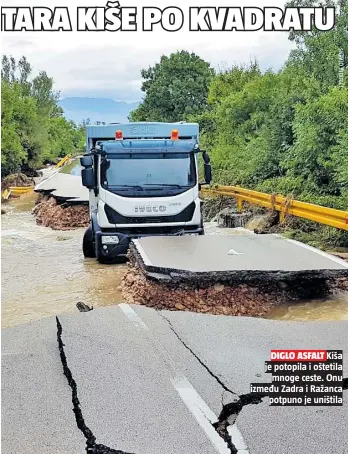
88 244
202 227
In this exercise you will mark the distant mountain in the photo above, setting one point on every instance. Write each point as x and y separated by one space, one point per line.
96 109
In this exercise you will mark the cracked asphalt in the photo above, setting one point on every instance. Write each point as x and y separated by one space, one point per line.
129 379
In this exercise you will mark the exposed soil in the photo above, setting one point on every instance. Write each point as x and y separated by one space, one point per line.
218 299
254 299
225 212
17 180
341 255
50 213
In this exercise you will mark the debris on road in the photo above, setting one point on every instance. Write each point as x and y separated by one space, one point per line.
341 255
50 213
264 223
229 218
82 307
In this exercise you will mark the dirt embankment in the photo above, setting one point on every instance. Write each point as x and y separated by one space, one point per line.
16 180
224 211
217 299
254 299
50 213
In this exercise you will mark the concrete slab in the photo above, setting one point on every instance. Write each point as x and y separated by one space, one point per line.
37 412
64 187
239 257
125 388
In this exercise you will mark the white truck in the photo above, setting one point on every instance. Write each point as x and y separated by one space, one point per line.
143 181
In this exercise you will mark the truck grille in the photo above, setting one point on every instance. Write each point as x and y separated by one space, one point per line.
116 218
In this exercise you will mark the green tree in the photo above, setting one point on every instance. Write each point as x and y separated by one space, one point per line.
320 128
34 130
12 152
318 52
175 88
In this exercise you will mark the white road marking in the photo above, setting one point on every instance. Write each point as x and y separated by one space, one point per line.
318 251
193 401
132 315
237 439
200 410
143 254
45 180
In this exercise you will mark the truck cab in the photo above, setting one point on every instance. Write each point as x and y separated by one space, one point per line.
143 181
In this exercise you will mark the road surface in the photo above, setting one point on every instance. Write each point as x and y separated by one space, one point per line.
151 382
236 257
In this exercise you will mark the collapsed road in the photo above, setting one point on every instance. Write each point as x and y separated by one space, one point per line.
64 187
149 382
129 379
231 275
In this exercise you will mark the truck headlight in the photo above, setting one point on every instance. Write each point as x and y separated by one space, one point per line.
110 240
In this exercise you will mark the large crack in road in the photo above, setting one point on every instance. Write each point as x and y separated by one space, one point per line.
226 418
233 409
91 445
221 383
230 411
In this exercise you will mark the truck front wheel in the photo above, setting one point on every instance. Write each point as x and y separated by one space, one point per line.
202 227
88 244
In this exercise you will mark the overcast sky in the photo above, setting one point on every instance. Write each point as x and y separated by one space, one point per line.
104 64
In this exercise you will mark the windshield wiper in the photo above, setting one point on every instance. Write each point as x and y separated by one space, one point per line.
166 185
120 186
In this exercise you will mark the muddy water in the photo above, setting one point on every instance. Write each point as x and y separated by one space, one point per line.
332 309
44 272
74 168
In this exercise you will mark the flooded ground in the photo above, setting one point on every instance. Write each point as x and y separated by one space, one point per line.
44 272
74 168
333 309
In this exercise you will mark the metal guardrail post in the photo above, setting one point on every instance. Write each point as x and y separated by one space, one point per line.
63 161
6 194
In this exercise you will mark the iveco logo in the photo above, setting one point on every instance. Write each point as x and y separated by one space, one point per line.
150 209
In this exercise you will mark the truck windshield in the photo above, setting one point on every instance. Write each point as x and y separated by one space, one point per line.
149 171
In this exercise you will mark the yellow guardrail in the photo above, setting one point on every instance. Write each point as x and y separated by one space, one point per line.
20 189
63 161
6 194
16 191
285 205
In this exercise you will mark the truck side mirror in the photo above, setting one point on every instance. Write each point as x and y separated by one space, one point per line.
206 157
87 176
86 161
207 168
207 173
